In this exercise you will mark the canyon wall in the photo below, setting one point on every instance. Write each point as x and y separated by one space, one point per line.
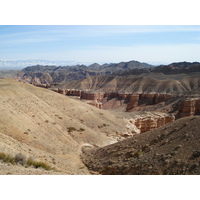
146 99
112 100
133 102
189 106
146 122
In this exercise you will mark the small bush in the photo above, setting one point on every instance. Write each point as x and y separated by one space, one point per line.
71 129
81 129
42 165
36 164
30 162
2 156
7 158
20 158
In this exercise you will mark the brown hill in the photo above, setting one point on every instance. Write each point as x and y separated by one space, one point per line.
171 149
143 83
51 127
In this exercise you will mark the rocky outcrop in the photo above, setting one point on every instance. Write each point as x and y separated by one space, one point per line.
151 122
146 99
113 100
42 85
94 96
133 102
73 92
189 107
146 122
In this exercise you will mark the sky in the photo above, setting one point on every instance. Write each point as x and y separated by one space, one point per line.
154 44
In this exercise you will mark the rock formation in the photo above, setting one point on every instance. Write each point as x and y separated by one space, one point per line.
133 102
149 121
189 106
92 96
146 99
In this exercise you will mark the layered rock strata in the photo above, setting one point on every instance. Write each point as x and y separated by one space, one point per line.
146 99
133 102
110 100
146 122
189 106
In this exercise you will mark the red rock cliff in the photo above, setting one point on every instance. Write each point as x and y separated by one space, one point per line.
189 106
150 121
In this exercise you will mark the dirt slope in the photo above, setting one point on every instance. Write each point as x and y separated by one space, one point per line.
171 149
143 83
51 127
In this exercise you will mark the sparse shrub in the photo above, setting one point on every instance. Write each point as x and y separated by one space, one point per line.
42 165
20 158
30 162
38 164
47 121
2 156
71 129
81 129
7 158
103 125
138 154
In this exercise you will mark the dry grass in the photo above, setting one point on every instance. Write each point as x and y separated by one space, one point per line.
21 159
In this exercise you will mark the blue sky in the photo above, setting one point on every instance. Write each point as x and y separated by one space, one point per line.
101 43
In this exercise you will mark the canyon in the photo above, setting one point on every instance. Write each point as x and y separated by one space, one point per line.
89 109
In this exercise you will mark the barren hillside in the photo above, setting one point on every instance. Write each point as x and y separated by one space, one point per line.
143 83
51 127
170 149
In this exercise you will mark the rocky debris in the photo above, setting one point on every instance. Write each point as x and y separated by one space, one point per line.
170 149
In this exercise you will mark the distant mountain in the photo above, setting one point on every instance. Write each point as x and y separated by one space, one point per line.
20 64
174 68
49 74
117 67
176 78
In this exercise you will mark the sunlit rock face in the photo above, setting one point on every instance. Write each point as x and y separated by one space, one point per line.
189 106
149 121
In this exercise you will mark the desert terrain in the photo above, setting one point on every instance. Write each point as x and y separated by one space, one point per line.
51 127
124 118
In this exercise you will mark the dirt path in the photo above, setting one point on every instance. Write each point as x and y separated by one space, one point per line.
81 147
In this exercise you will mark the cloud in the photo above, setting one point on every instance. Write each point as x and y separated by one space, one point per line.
53 33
